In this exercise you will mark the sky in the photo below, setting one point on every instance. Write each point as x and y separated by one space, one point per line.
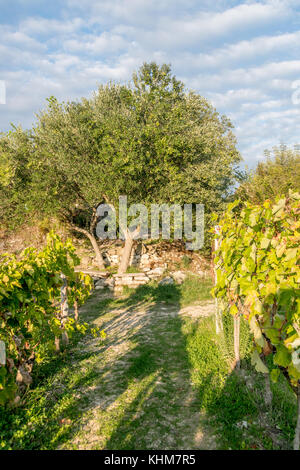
243 56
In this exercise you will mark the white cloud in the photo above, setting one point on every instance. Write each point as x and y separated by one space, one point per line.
47 27
237 18
233 98
93 44
276 75
255 49
19 39
243 56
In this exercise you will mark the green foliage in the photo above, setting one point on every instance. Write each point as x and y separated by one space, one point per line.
30 290
15 176
278 174
258 275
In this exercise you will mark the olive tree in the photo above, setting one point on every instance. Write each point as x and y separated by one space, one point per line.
151 140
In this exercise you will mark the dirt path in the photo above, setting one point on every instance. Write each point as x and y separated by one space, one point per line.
135 391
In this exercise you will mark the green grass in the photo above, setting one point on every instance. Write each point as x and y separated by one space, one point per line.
111 269
152 393
193 289
186 261
133 269
230 400
220 392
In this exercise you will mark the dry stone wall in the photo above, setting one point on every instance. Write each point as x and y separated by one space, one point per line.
164 262
146 256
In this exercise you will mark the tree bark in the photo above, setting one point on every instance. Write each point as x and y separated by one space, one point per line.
236 333
127 250
126 254
57 344
99 257
297 430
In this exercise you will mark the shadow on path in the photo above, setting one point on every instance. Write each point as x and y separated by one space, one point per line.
145 397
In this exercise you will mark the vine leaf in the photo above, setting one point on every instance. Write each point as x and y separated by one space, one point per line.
258 363
282 356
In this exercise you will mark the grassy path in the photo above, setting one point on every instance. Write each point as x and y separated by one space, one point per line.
138 392
160 380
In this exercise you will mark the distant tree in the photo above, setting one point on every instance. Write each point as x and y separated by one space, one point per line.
150 140
274 176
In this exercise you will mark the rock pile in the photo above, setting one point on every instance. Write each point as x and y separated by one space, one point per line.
118 281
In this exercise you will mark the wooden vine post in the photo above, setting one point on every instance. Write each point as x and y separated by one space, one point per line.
218 313
76 312
64 308
63 313
2 353
236 334
297 430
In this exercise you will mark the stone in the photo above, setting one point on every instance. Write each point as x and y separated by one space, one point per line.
140 276
166 281
179 276
23 376
157 271
85 260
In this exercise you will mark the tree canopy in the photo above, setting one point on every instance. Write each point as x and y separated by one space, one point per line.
16 150
150 139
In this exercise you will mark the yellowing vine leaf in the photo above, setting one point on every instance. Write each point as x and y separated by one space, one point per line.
258 363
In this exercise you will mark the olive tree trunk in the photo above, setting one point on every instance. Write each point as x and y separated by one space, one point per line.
90 236
129 240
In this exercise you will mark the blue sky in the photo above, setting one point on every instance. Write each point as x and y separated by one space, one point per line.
242 56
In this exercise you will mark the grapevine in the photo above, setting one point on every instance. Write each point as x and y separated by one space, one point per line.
258 276
30 310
